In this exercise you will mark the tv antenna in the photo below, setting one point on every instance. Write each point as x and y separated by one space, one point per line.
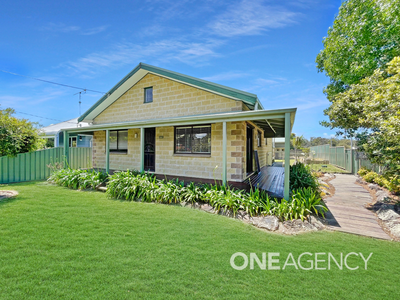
80 101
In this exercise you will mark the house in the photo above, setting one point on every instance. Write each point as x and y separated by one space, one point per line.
279 148
176 125
54 133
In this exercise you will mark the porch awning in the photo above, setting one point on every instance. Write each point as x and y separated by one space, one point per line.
271 121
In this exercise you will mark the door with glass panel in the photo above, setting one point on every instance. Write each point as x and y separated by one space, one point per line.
150 149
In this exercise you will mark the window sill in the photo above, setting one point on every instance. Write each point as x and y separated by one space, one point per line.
191 155
118 153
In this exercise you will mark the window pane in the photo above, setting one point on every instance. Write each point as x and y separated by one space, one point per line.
148 95
122 140
201 140
182 140
113 140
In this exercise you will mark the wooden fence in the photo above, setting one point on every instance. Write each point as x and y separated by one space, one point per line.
34 165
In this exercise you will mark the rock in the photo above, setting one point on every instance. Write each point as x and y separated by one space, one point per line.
387 213
316 223
269 222
296 226
359 180
256 220
196 205
183 203
394 228
8 194
374 186
207 208
382 196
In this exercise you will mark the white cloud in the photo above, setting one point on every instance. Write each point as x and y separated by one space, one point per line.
61 27
94 30
225 76
251 18
192 53
305 104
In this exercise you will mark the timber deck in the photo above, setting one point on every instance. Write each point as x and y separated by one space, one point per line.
270 179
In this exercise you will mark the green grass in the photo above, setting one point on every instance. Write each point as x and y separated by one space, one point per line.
57 243
292 161
328 169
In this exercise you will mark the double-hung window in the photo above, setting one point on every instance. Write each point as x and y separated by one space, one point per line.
119 141
193 139
148 95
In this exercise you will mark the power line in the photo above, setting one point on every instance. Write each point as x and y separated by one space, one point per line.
19 112
52 82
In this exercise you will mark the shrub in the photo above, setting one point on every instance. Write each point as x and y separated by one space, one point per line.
370 176
382 181
393 184
363 171
302 177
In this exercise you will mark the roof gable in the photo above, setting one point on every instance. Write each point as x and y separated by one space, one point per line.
143 69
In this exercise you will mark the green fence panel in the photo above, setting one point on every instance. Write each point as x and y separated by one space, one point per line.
35 165
343 158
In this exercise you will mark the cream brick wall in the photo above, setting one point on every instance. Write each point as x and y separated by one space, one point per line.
170 99
130 161
180 165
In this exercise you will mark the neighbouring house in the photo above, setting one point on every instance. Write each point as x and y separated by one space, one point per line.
54 133
279 148
176 125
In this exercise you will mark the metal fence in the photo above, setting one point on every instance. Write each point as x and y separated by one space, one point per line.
34 165
350 160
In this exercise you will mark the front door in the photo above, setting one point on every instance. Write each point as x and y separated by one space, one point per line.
150 149
249 150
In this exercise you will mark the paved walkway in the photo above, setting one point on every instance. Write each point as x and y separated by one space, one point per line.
348 213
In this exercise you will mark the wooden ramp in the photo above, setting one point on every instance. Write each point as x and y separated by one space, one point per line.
270 179
347 210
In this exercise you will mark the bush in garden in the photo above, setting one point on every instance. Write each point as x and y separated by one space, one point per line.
394 184
301 176
83 179
381 180
370 176
363 171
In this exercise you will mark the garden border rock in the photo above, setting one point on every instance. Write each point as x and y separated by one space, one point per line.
5 194
387 214
267 223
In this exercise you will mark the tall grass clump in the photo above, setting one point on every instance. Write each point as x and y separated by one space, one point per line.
145 187
77 179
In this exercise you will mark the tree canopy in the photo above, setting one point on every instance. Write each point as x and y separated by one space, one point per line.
376 99
365 36
17 135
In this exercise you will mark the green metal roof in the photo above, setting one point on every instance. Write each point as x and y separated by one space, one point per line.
248 98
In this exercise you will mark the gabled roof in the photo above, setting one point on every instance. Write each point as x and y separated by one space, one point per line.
143 69
52 129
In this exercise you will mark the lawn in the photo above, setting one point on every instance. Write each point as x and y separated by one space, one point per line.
58 243
329 168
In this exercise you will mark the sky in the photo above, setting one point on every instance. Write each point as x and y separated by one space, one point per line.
264 47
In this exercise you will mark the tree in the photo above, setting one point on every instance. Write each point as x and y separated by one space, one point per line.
297 142
17 135
365 36
377 97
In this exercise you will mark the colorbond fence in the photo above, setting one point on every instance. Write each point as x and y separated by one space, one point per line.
349 160
34 165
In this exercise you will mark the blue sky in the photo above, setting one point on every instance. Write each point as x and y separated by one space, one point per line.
263 47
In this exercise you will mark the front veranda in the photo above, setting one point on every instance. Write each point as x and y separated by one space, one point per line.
151 145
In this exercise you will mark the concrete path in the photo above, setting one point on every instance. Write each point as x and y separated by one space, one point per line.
347 210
